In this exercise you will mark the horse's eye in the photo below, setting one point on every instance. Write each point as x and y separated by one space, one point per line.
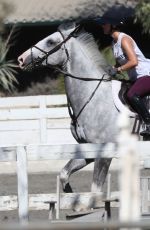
50 42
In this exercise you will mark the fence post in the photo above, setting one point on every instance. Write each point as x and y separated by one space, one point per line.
43 129
22 184
58 198
129 176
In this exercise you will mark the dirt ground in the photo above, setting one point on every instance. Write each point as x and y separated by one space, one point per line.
46 183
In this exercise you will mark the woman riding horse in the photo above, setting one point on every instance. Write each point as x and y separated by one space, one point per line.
88 91
129 58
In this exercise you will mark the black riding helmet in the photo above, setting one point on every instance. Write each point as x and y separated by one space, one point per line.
114 22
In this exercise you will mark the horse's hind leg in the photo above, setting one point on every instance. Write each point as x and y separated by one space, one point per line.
71 167
101 167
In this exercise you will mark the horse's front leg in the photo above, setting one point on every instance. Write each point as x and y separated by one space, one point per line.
101 167
71 167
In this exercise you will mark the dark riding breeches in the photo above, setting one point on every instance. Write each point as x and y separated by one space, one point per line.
141 88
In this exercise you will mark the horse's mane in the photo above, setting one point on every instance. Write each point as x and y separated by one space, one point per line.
90 46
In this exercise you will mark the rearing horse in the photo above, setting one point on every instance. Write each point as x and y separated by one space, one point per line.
90 101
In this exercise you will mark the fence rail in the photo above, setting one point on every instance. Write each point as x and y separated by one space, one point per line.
69 151
142 224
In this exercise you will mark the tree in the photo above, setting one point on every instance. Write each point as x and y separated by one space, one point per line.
142 15
7 67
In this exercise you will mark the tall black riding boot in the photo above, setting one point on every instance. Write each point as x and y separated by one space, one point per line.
141 109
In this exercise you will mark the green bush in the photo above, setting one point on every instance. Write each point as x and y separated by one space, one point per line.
48 86
142 15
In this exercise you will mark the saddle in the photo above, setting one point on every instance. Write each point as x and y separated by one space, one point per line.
119 93
119 90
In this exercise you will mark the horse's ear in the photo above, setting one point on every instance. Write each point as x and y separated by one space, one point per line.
67 27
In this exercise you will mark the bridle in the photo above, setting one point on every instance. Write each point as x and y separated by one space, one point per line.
37 62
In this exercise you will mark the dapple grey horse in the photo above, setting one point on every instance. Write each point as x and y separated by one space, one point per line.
89 95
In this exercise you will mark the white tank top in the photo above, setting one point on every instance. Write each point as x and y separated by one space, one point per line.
143 67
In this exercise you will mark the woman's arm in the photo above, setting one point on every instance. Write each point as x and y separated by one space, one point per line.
127 46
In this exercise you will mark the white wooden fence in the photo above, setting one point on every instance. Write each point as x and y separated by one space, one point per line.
46 152
34 119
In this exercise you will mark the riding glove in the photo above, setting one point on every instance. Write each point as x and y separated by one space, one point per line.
112 71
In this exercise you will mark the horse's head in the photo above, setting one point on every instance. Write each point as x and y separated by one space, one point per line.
49 51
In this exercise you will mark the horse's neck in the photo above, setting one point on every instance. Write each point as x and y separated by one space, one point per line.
90 100
80 64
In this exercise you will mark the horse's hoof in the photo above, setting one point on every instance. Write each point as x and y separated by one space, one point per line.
67 188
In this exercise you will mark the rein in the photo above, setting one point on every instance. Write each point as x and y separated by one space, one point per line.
74 118
82 78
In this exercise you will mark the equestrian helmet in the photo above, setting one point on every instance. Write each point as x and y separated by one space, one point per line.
108 20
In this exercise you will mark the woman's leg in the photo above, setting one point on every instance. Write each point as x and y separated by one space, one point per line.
135 94
141 88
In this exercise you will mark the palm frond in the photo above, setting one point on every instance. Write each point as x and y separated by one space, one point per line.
11 39
8 69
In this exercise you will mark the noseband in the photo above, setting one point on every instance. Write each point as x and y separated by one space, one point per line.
37 62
